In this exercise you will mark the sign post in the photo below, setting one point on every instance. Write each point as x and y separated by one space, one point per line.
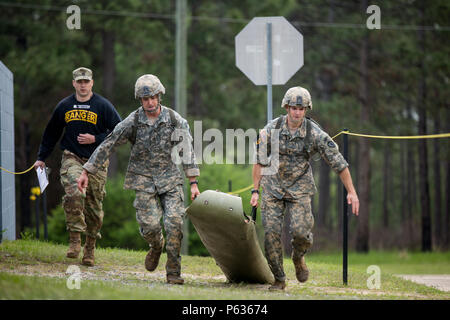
269 51
345 220
269 71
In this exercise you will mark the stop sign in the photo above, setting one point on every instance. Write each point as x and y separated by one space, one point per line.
252 47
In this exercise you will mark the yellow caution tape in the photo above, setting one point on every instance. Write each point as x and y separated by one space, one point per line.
338 134
241 190
18 172
429 136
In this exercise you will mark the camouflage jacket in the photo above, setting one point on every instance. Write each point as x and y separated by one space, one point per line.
289 170
151 167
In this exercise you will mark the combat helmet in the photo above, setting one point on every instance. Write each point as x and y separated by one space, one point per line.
297 96
148 85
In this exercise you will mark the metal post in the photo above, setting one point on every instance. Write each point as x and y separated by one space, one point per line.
345 219
1 174
44 209
37 217
181 57
180 91
269 71
230 186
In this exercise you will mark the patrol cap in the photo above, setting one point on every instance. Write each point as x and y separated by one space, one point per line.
82 73
297 96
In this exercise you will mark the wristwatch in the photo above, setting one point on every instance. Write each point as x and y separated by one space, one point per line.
193 182
255 190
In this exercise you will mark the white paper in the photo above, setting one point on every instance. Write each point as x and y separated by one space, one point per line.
42 177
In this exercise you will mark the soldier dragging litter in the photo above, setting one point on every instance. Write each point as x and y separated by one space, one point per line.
284 149
155 131
87 118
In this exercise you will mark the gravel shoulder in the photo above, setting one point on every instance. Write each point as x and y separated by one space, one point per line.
437 281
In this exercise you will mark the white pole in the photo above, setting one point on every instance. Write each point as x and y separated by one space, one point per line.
269 71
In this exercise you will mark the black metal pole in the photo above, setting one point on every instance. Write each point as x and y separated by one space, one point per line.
44 208
37 217
230 186
345 220
254 209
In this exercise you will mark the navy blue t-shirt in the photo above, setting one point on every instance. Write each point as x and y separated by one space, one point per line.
97 116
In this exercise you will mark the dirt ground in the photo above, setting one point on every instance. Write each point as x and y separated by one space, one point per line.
134 276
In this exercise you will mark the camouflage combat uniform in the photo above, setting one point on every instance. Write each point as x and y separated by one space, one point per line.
291 185
154 176
84 212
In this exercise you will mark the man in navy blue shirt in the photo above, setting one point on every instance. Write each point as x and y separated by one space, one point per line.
86 119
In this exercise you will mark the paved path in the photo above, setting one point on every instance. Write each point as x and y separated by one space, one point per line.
438 281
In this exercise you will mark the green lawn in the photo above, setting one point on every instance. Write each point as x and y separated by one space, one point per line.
37 270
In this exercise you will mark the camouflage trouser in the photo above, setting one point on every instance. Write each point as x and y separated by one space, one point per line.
84 213
302 221
150 207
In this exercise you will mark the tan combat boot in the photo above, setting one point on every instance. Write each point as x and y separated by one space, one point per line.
152 258
172 279
88 252
278 285
301 270
74 245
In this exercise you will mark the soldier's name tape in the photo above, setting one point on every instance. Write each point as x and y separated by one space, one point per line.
430 136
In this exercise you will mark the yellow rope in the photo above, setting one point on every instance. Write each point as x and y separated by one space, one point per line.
429 136
18 172
241 190
339 134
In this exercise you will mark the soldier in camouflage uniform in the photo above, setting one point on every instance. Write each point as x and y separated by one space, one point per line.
284 148
85 118
156 133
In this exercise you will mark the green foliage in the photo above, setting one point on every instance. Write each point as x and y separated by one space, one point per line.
217 177
27 235
57 226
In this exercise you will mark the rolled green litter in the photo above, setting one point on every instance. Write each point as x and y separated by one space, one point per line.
230 237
